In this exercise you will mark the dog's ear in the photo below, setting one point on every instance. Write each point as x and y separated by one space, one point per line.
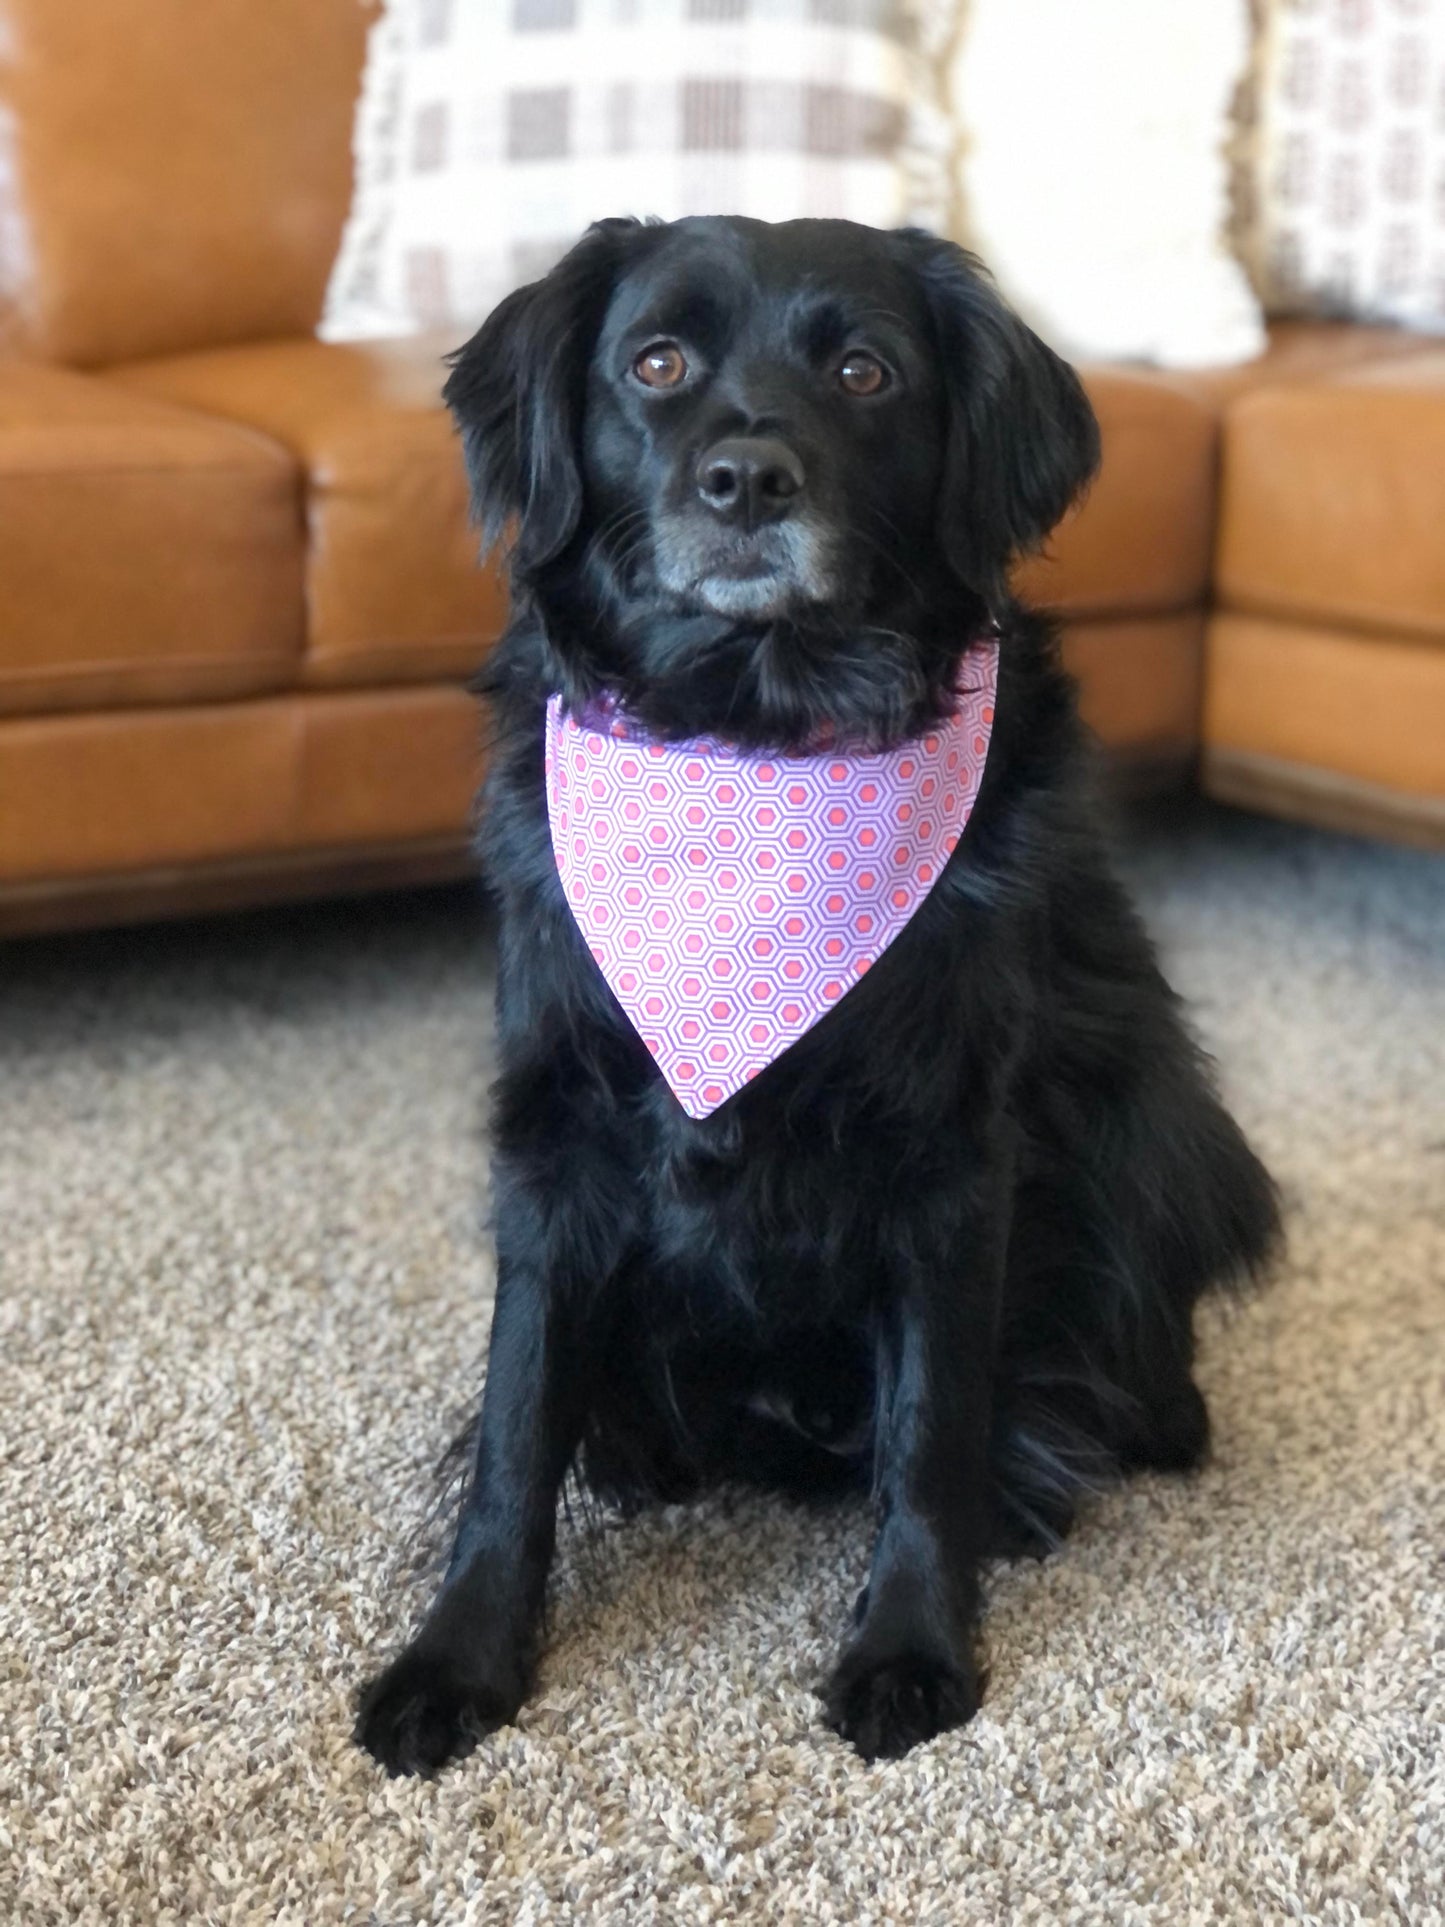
1022 438
516 390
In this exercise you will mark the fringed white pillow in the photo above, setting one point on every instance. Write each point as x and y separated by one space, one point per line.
1093 171
490 132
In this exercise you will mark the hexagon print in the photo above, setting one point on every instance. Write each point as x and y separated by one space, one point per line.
732 898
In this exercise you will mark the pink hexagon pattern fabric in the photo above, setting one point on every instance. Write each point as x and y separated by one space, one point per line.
732 898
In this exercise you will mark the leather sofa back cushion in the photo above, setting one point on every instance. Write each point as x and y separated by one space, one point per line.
173 173
148 553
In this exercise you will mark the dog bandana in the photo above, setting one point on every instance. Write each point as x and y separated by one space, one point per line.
732 897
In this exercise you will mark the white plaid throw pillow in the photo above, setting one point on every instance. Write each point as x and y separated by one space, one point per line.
490 132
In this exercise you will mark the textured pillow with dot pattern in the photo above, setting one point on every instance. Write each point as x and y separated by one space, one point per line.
1344 179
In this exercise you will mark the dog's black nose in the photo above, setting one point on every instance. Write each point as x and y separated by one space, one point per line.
750 479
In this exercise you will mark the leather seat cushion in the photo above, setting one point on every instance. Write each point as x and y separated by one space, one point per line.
394 588
1140 541
1365 707
393 591
92 795
1140 680
1333 502
147 553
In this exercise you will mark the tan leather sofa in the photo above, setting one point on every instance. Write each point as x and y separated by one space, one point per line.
238 594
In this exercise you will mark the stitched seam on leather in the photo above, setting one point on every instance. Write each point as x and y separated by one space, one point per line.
133 665
85 469
1336 617
453 639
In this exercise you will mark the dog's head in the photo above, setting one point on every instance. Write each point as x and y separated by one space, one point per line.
761 475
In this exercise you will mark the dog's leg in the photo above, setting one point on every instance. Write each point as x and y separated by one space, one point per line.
910 1670
467 1670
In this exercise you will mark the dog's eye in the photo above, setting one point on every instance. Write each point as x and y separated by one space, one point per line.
862 374
660 365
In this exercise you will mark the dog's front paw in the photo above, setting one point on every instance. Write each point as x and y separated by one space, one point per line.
425 1709
886 1703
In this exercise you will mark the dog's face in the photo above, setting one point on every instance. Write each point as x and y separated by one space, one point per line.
767 473
764 417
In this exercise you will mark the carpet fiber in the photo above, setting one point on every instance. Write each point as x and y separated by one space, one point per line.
245 1298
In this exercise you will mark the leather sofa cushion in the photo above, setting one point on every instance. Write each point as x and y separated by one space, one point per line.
1367 708
394 591
97 795
147 553
1333 502
176 172
90 795
1298 350
1140 540
1139 681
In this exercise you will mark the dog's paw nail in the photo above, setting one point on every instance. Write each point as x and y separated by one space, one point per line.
885 1706
422 1711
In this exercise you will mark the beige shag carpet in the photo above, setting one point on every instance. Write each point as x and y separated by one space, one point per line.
245 1297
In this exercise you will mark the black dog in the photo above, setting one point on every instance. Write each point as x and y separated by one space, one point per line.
767 482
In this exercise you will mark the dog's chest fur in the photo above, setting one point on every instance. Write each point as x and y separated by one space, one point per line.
776 1208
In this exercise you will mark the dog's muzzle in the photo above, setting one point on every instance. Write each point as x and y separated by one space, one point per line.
748 541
